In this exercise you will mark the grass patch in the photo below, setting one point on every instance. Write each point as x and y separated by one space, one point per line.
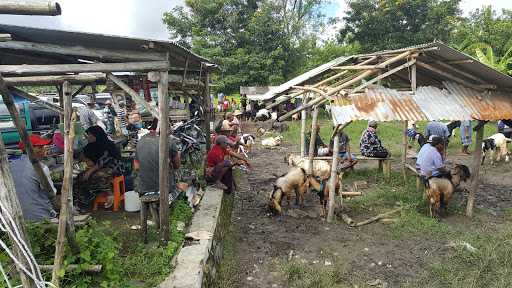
310 276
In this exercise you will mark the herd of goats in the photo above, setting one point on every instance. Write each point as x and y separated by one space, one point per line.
438 191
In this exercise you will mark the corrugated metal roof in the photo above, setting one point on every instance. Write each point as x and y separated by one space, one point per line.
61 37
299 80
455 102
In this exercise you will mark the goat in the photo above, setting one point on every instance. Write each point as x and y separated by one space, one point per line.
263 115
321 168
294 180
451 126
272 141
439 191
295 117
323 192
246 141
495 142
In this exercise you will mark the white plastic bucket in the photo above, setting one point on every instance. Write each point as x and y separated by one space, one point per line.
131 201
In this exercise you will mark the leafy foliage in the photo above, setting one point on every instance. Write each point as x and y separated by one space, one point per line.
391 24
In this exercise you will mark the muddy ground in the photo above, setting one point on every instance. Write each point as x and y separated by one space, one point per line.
261 245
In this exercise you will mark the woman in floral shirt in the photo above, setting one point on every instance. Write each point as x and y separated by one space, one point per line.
370 143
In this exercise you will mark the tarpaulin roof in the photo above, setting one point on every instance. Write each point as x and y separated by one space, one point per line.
454 102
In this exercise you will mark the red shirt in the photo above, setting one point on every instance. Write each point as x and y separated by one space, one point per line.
216 155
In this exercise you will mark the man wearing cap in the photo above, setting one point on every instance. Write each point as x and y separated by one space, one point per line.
34 201
370 144
430 161
218 169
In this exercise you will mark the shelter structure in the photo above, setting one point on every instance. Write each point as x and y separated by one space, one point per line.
425 82
41 57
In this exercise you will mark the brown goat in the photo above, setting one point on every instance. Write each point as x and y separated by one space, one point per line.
439 191
294 180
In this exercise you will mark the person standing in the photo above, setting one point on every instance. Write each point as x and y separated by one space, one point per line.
243 104
110 114
220 101
465 135
121 116
87 116
437 128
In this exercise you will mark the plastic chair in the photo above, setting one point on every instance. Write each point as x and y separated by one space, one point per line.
119 189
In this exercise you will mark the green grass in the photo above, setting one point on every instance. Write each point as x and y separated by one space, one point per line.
390 134
301 275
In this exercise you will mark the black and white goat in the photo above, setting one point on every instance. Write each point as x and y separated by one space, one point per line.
496 144
245 144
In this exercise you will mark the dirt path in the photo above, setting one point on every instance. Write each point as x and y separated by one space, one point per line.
262 246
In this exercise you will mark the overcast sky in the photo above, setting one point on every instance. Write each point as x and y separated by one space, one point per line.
143 18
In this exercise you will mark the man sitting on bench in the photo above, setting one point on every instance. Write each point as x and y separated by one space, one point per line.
370 144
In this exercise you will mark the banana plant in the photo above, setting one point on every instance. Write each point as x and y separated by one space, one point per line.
486 55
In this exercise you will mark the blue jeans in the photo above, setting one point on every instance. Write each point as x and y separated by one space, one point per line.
344 155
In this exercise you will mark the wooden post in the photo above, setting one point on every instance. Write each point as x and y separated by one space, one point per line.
312 140
475 169
405 143
9 198
20 125
35 7
163 104
332 180
207 109
303 115
67 187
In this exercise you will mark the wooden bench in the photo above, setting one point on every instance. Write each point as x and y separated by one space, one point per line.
417 175
384 163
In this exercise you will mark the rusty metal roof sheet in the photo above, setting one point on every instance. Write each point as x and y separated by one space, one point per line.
455 102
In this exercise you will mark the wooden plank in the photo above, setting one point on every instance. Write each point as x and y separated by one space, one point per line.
84 68
20 125
312 141
332 179
53 80
32 7
303 115
84 52
9 199
163 103
135 96
67 189
356 67
36 100
475 170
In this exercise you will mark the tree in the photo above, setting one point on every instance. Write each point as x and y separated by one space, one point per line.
486 55
392 24
254 42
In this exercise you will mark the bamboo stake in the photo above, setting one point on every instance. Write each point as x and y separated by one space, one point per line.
312 141
404 150
163 103
67 188
9 197
207 110
303 115
74 267
332 180
20 125
475 170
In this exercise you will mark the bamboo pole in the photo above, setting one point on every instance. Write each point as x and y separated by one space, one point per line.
332 180
163 103
404 150
20 125
84 68
312 141
207 110
303 115
33 7
9 198
67 188
475 170
54 79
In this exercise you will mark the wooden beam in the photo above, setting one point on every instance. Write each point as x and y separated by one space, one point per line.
332 179
303 115
12 207
312 141
84 68
84 52
79 90
135 96
414 81
20 125
207 110
312 89
356 67
405 144
33 7
454 78
475 169
460 61
163 103
456 70
5 37
383 75
37 101
67 187
53 80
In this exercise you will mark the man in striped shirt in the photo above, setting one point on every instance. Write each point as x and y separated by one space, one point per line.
121 115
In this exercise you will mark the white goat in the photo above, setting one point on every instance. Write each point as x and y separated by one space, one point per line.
272 141
496 143
321 168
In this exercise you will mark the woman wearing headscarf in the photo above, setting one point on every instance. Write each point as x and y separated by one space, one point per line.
102 158
370 144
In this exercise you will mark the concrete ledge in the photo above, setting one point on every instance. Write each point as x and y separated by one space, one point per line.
196 264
